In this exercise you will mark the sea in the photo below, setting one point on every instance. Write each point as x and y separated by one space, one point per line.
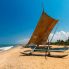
4 47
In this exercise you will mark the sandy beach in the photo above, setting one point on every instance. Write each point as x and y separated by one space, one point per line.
13 59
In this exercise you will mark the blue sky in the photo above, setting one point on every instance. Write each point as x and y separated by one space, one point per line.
18 18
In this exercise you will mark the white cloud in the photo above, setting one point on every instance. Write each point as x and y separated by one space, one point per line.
59 36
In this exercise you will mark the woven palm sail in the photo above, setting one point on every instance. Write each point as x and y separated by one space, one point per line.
42 30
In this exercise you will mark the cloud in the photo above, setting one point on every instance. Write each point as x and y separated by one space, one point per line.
62 35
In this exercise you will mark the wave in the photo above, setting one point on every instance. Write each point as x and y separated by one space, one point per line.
5 48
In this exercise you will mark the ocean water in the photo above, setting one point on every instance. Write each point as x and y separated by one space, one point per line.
4 47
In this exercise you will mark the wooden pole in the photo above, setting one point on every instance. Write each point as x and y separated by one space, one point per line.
45 53
48 47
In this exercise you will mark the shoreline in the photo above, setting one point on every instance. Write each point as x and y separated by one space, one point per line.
11 47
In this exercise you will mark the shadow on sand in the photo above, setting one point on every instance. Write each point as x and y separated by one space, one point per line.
45 55
33 54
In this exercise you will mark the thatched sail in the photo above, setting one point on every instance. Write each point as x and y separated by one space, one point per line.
42 30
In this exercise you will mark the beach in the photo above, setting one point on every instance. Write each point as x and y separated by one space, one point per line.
13 59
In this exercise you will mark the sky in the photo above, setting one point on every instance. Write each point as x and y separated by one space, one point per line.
18 18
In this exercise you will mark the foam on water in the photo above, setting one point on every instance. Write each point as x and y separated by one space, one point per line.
5 48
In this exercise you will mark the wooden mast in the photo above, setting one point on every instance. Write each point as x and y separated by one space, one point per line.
43 29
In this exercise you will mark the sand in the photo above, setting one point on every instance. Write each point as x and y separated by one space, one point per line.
13 59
